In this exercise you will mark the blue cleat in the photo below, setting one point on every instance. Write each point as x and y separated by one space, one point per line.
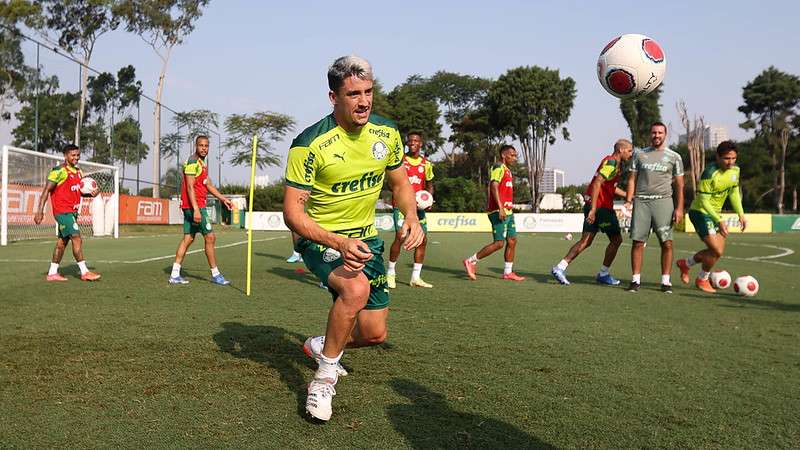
295 258
607 279
560 276
220 280
178 280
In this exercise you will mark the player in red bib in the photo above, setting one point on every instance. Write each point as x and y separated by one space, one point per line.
64 190
501 215
599 214
194 189
420 174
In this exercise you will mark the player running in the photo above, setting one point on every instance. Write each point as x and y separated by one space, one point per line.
719 181
63 187
194 190
654 170
420 175
599 214
501 215
334 175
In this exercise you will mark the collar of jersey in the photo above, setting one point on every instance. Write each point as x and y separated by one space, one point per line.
414 161
70 169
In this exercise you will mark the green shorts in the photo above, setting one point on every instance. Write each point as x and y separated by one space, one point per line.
67 225
322 261
652 214
502 229
703 223
605 220
420 213
190 227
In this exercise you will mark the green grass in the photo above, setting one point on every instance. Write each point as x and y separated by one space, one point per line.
135 363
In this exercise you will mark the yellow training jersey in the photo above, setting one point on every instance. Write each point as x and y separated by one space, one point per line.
344 172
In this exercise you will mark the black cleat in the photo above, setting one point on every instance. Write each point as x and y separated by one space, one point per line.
666 288
633 287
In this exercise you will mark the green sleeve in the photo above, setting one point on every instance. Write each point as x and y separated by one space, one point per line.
395 158
428 171
609 169
57 175
497 173
735 197
193 168
301 168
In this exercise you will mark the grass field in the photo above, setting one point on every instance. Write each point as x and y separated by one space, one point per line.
132 362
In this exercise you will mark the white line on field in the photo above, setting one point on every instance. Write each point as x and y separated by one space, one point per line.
785 251
763 259
156 258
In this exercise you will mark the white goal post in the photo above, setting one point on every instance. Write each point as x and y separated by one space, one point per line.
24 175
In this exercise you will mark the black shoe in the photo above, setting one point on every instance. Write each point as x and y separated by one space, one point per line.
633 287
666 288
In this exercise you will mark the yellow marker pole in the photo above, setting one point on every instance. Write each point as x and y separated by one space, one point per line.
250 216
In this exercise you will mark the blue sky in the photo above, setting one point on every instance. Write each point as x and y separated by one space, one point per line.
247 56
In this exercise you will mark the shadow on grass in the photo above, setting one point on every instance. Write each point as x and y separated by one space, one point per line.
737 301
274 347
291 274
429 422
538 277
274 256
455 273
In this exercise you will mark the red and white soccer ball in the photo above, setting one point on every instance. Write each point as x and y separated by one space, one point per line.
720 279
88 185
424 199
631 65
746 285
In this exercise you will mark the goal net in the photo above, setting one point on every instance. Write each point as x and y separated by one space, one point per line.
24 175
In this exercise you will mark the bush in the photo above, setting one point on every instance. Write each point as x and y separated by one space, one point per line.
459 195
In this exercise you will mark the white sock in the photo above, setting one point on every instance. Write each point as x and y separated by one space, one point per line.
215 271
417 271
665 280
562 265
473 259
690 261
327 368
82 266
53 269
636 278
390 270
603 270
507 268
703 274
176 270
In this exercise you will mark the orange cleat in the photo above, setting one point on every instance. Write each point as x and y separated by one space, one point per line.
470 268
684 270
56 277
704 285
90 276
513 277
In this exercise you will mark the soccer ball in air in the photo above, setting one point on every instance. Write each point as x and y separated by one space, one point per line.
88 185
720 279
746 285
424 199
631 65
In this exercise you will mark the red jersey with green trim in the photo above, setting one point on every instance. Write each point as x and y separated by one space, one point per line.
419 170
502 175
196 167
66 197
610 170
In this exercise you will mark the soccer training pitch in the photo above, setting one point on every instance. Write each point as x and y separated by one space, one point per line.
132 362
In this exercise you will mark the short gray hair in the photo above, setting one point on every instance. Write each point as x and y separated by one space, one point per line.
346 67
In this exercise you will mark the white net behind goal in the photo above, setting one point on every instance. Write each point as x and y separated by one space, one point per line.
24 175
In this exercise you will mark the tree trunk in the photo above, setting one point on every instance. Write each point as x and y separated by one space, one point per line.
782 175
84 93
157 125
794 199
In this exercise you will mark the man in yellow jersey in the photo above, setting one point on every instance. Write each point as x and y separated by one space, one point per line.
420 175
334 176
719 181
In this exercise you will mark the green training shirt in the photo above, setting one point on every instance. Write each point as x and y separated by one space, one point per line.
344 172
715 186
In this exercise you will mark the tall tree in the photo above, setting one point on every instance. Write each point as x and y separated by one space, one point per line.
640 113
695 142
531 104
270 127
128 145
16 78
54 121
76 25
162 24
413 112
771 102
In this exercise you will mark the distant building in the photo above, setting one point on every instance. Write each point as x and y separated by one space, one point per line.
552 179
712 136
261 180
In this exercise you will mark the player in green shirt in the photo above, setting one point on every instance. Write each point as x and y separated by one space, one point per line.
719 182
334 175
